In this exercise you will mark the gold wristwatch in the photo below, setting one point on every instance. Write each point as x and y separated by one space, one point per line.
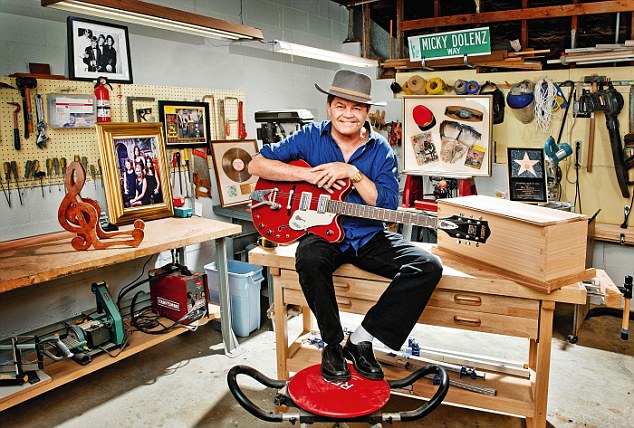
358 176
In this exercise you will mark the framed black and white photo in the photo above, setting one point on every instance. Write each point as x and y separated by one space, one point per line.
98 49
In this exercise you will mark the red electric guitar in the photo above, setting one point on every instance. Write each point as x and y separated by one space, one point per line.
283 212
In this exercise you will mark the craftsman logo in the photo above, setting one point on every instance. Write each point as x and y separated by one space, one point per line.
168 304
343 385
451 44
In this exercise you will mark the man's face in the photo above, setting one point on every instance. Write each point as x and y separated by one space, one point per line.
347 117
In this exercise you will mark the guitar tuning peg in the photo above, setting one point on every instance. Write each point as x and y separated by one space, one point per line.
477 244
458 241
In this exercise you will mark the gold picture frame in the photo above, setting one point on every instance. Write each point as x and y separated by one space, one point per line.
231 160
141 146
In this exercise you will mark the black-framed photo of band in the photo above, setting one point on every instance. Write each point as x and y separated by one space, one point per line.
98 49
527 175
447 135
186 123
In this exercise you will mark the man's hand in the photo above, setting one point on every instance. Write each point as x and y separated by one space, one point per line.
331 175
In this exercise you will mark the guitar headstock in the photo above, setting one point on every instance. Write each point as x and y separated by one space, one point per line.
469 229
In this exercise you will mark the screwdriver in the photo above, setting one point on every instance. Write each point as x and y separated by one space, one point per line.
63 164
56 169
14 169
93 175
84 162
39 174
28 168
177 156
5 192
7 173
49 168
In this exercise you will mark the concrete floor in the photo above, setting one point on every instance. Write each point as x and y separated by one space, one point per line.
182 382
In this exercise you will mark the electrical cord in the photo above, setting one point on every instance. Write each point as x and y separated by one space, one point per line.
155 322
577 166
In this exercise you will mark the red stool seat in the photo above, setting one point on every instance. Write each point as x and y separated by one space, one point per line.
357 397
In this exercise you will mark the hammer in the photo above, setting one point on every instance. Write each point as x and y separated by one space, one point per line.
25 84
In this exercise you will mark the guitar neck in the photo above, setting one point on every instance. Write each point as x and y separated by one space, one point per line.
382 214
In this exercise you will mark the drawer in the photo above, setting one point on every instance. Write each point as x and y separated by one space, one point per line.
480 321
344 286
489 303
443 317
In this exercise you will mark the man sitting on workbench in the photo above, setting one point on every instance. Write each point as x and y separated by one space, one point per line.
346 147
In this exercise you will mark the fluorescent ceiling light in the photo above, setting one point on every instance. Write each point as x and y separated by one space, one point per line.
152 15
322 54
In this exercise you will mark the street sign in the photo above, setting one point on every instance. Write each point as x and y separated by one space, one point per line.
476 41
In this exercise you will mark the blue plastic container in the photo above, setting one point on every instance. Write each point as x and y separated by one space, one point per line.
245 282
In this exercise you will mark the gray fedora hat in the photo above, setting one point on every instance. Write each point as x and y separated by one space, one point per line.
351 86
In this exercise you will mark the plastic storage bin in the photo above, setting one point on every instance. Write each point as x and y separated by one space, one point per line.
245 282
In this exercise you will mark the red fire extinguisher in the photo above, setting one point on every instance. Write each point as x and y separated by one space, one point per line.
103 99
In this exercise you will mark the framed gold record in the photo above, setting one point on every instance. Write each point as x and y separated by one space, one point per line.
231 160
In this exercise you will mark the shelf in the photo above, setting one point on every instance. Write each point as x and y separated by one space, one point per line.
514 394
614 233
62 372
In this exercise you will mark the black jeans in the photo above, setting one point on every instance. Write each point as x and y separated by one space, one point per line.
414 273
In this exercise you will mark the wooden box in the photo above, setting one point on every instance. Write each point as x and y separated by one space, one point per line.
536 246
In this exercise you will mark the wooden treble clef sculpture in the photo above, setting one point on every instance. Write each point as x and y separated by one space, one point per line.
81 216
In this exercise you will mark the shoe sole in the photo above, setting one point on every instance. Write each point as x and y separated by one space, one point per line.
371 376
335 378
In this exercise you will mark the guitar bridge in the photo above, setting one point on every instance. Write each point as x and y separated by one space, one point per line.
265 197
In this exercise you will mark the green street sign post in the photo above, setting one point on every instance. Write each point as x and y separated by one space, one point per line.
476 41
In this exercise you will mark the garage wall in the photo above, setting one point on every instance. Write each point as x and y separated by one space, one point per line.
31 33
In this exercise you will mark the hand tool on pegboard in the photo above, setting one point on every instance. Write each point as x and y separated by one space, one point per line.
39 174
28 170
56 170
7 191
201 177
230 108
25 84
13 168
176 163
242 131
63 165
42 138
188 180
49 172
212 108
16 126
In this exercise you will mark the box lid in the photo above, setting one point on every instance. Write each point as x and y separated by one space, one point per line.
534 214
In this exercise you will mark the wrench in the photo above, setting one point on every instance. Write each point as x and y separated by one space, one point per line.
16 126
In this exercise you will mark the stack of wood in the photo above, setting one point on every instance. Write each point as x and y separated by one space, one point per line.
528 59
601 53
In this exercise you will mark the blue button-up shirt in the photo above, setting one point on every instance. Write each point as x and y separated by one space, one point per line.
375 159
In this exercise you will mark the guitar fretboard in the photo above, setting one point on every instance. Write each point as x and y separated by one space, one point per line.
382 214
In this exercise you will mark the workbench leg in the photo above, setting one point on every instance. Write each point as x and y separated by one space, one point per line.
280 319
542 366
228 336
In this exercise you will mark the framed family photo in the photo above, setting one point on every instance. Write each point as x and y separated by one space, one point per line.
186 123
135 171
231 161
98 49
447 135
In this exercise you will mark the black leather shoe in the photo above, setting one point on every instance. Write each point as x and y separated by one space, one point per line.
362 357
333 364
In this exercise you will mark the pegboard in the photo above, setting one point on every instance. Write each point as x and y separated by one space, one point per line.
70 143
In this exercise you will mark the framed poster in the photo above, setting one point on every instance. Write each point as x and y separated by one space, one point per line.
186 123
231 161
98 49
527 175
135 171
448 136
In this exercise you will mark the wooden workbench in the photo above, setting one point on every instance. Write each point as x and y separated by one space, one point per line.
466 298
37 260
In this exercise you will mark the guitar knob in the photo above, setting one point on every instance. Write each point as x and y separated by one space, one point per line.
329 232
269 232
477 244
260 225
